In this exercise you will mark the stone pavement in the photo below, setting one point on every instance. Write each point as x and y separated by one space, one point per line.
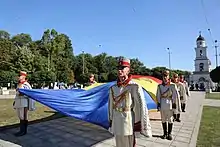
69 132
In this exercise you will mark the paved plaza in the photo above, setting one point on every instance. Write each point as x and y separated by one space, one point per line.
69 132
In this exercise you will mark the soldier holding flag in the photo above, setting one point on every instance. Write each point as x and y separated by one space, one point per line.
127 108
22 104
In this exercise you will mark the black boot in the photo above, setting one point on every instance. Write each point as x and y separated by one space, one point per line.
174 117
26 125
164 130
170 127
183 107
178 118
22 129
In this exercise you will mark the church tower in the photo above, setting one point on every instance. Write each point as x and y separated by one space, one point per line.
200 76
202 63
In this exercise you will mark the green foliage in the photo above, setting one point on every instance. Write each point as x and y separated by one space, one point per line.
21 39
43 76
112 75
103 77
8 76
4 35
83 78
215 75
51 59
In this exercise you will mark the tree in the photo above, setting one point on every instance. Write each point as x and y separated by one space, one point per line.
21 39
4 35
215 75
51 59
6 52
99 62
23 59
43 76
8 76
112 76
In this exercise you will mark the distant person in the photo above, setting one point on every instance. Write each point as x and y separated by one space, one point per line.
22 104
181 96
46 86
197 86
55 86
192 87
61 86
92 79
186 95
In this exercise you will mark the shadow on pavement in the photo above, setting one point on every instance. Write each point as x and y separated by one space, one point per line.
62 132
54 116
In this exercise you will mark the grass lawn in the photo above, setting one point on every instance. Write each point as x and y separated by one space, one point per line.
209 131
214 95
9 118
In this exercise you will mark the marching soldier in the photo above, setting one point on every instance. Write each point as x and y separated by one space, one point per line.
22 104
187 93
127 108
181 96
166 96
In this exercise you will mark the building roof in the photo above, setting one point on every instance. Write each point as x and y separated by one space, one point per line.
200 38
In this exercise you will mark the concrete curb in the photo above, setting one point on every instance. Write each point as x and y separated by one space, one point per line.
196 129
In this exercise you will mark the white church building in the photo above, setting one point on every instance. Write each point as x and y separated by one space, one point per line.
200 75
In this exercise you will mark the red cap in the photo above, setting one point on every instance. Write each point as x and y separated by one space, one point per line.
124 62
23 73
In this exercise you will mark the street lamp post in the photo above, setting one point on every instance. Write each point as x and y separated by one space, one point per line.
216 52
169 58
83 62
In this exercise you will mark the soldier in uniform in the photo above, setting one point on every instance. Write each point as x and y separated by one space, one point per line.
91 81
22 104
187 93
166 96
128 112
181 96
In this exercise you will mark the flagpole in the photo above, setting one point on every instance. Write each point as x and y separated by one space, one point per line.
216 53
83 62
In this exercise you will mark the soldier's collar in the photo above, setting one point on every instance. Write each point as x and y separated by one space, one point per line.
163 83
182 81
124 83
23 82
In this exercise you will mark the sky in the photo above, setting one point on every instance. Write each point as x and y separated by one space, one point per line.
142 29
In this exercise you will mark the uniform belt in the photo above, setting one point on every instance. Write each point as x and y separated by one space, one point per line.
123 109
166 97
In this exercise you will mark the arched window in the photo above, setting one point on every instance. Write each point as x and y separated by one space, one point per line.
201 53
201 66
202 79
